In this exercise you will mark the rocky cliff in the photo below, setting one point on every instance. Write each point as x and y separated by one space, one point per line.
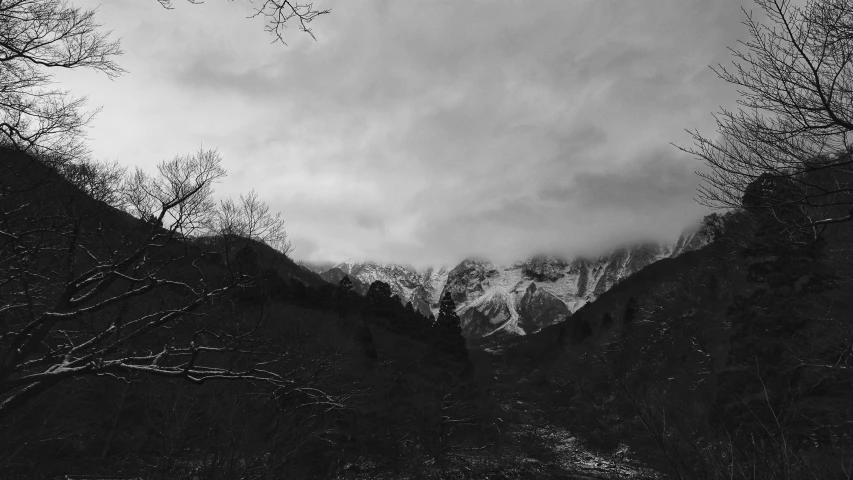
515 299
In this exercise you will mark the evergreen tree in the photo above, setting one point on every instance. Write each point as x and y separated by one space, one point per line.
380 305
450 339
378 293
344 296
412 318
345 285
447 317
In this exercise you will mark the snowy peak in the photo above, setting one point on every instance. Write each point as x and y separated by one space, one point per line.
544 269
527 296
538 308
466 281
407 283
515 299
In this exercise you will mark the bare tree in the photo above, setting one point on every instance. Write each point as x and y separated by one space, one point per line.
179 198
277 14
251 218
37 35
85 289
101 181
787 147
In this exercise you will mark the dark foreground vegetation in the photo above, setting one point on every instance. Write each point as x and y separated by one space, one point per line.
148 333
132 348
728 362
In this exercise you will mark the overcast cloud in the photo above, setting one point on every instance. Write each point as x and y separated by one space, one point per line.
424 132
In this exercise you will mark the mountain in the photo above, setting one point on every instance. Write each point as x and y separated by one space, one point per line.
515 299
335 275
423 289
527 296
316 267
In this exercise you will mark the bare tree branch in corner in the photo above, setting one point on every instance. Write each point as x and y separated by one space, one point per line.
35 36
790 138
277 14
87 289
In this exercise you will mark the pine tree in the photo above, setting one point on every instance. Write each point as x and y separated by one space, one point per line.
380 304
344 296
447 317
450 339
378 293
345 285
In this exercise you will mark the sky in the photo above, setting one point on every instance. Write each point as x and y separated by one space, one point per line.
425 132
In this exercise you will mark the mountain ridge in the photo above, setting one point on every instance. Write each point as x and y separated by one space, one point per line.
512 299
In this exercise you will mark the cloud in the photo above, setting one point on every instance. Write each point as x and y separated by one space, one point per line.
423 132
645 183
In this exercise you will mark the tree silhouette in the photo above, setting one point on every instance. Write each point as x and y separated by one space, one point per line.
793 126
277 14
37 36
116 294
345 285
447 317
378 293
450 339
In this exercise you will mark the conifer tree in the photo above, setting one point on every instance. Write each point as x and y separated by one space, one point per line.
379 302
378 293
450 339
345 285
447 317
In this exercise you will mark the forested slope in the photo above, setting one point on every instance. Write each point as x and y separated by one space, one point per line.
131 348
731 358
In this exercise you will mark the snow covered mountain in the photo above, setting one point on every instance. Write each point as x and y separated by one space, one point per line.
423 289
515 299
526 296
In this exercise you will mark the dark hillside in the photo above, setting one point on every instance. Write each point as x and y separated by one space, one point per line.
736 354
42 183
588 323
170 356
